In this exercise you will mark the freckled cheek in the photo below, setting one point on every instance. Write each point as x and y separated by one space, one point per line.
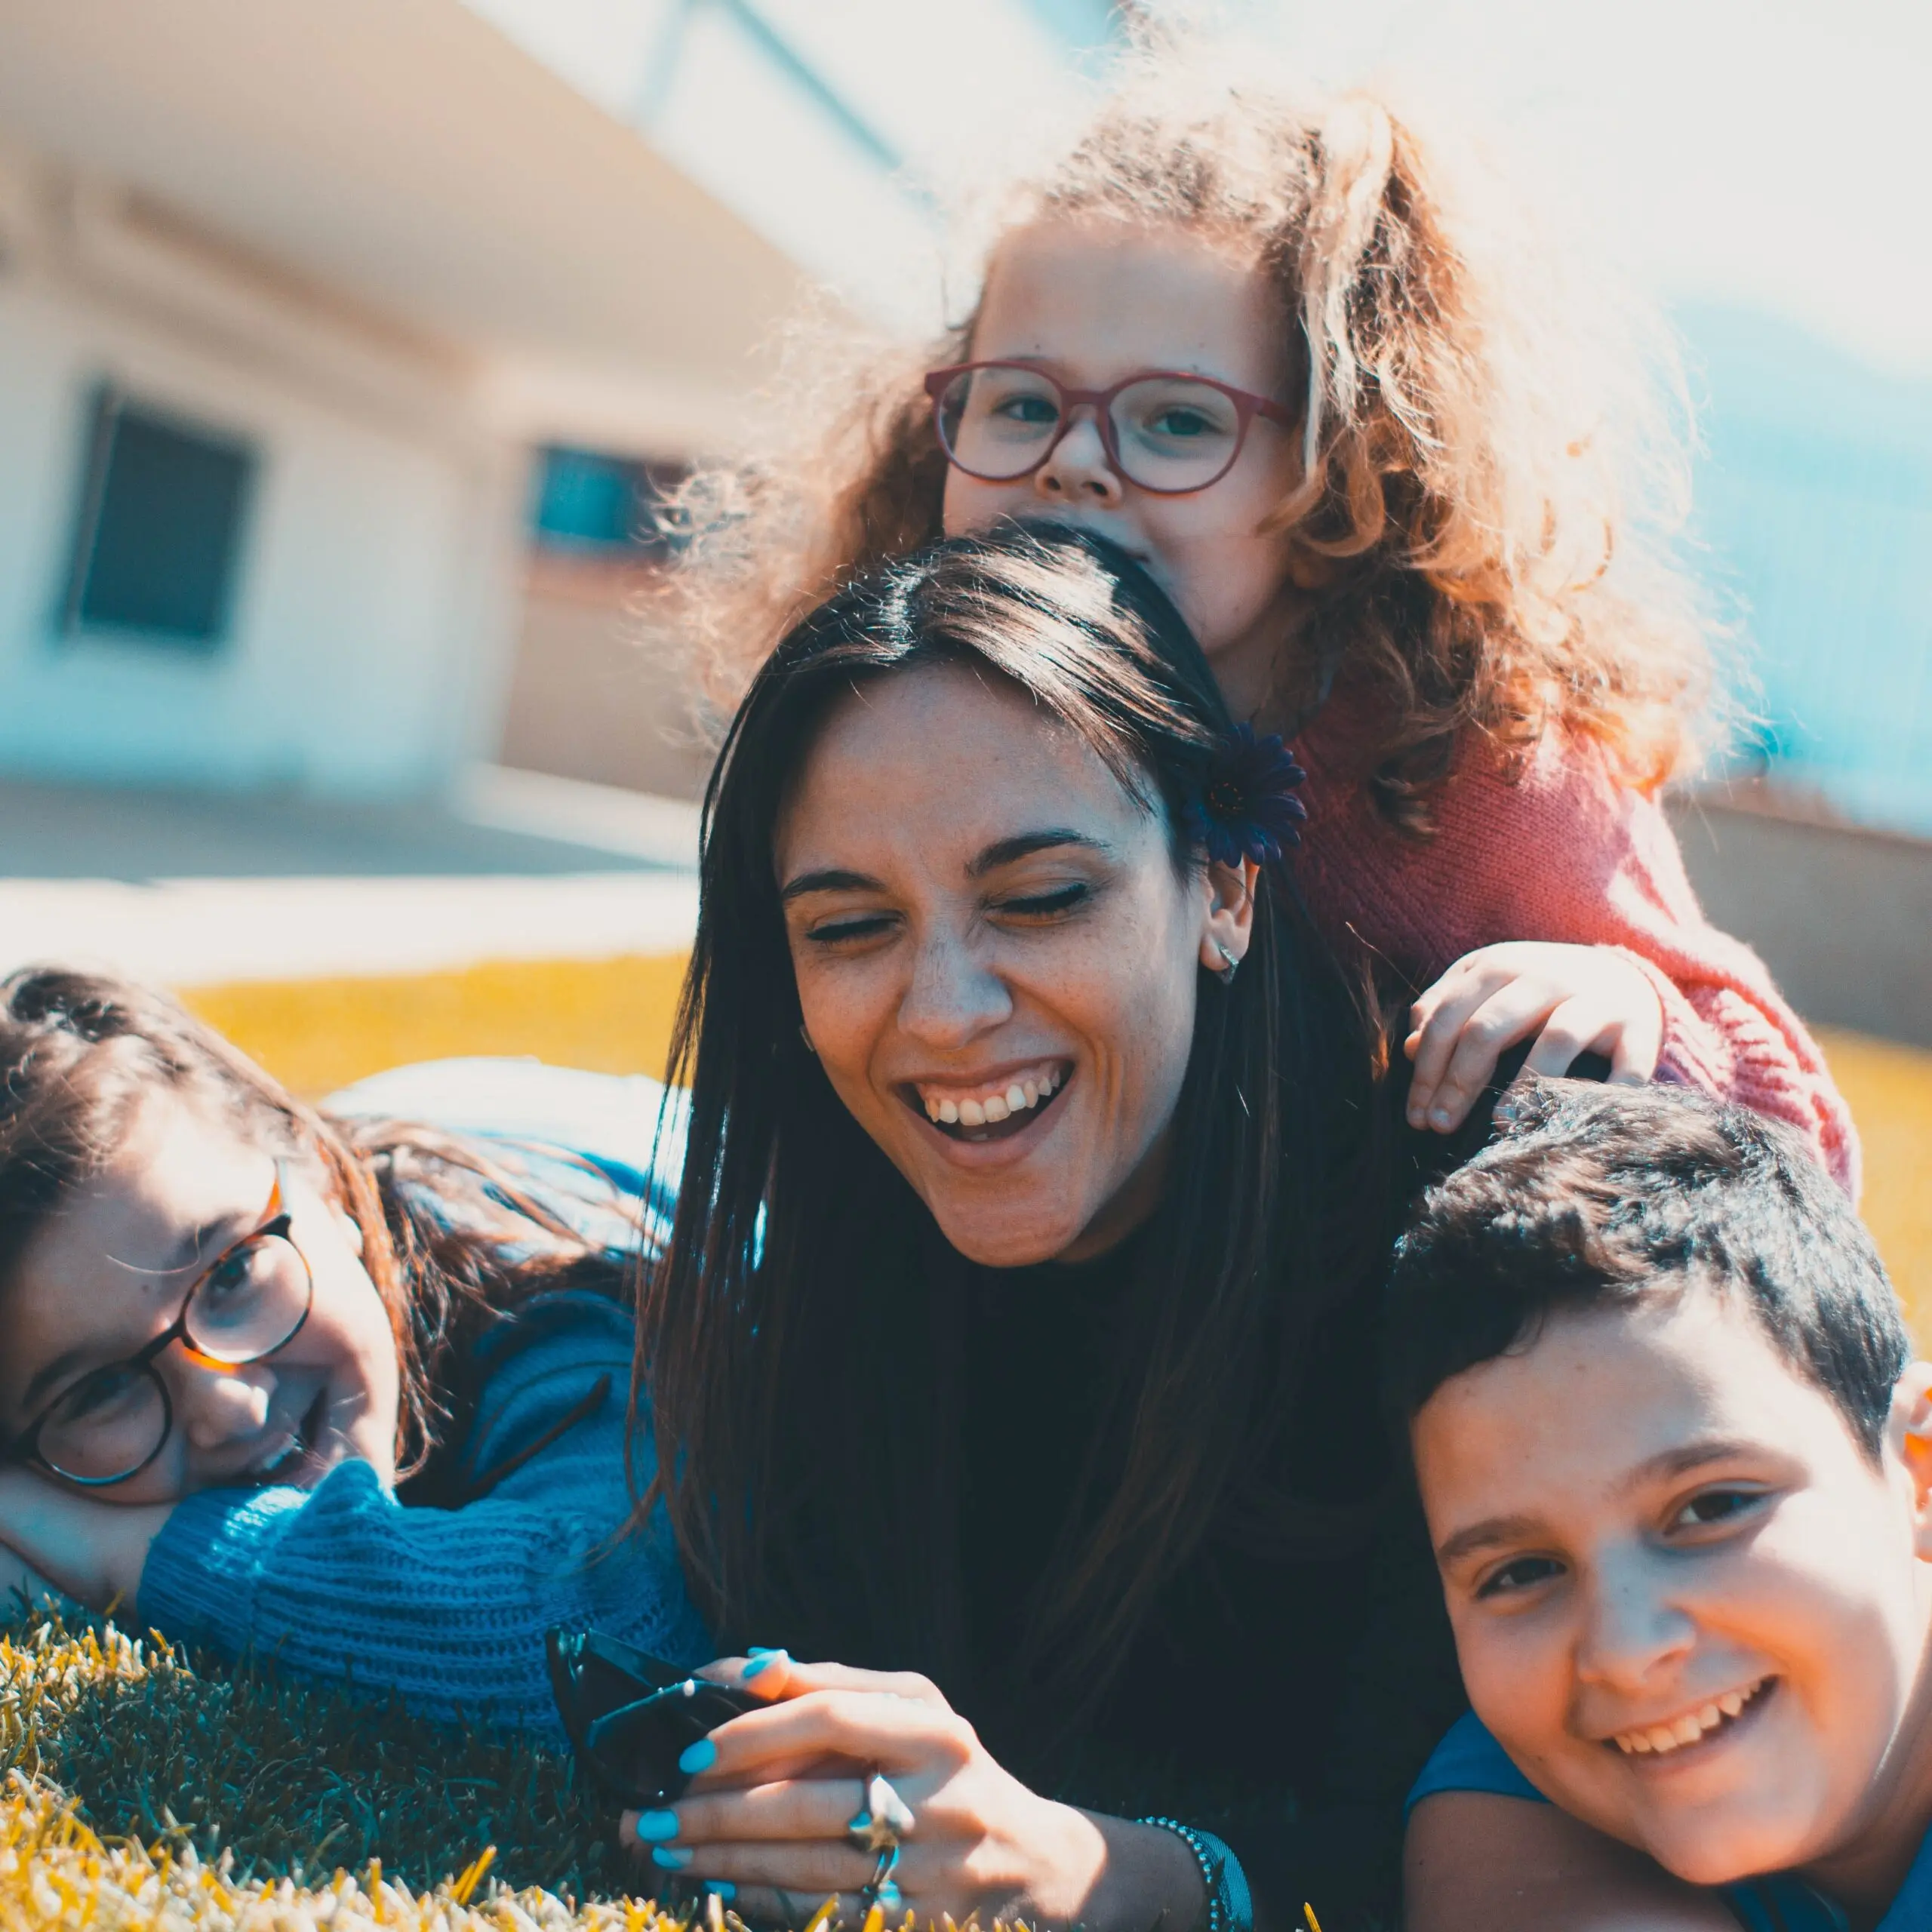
847 1013
1141 1030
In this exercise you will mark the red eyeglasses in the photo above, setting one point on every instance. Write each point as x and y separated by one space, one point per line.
1163 431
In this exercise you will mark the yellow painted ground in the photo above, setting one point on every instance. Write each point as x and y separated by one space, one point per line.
612 1016
1889 1088
615 1016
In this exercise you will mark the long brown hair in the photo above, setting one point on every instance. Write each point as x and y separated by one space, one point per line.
1493 466
451 1238
800 1337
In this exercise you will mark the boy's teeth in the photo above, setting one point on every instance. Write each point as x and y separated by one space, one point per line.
971 1114
949 1112
1664 1738
996 1107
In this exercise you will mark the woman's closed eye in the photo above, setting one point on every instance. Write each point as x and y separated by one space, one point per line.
847 928
1052 903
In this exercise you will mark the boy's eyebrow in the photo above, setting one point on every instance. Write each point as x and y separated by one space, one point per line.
1687 1457
1495 1532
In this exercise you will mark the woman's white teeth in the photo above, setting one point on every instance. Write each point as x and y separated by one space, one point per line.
1018 1096
1662 1739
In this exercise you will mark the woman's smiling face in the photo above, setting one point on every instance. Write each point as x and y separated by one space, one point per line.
113 1266
997 959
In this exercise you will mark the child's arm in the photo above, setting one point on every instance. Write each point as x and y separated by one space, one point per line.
1573 1000
446 1607
1560 850
1473 1861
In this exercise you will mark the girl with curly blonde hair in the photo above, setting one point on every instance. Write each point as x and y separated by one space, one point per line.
1257 341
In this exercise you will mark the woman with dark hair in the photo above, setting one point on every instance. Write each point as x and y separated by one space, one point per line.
1017 1326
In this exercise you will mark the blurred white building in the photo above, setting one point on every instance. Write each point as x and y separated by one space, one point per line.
287 294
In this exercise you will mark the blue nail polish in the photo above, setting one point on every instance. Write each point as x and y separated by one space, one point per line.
669 1857
761 1660
698 1757
721 1888
652 1825
764 1650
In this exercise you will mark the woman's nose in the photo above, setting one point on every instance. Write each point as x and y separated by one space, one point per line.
953 996
1634 1625
1078 469
214 1407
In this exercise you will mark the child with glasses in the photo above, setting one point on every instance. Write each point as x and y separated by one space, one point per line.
1414 516
1676 1458
342 1389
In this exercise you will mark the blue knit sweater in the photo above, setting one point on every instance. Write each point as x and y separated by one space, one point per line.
449 1607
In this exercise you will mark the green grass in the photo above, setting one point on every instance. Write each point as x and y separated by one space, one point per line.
141 1788
227 1798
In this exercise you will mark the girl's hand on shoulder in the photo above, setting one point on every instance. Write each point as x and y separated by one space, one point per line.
94 1550
1575 999
765 1820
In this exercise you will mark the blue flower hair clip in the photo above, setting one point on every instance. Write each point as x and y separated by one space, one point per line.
1247 808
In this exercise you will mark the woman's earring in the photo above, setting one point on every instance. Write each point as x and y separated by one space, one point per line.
807 1038
1230 964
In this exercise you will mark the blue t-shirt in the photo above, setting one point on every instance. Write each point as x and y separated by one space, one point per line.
1469 1759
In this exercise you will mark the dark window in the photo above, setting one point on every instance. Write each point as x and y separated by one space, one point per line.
610 506
157 538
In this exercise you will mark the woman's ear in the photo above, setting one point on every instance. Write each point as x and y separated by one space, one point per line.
1230 923
1912 1428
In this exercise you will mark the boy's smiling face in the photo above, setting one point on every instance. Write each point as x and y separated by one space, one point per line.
1686 1602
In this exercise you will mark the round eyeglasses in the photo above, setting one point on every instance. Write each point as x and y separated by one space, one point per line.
252 1300
1163 431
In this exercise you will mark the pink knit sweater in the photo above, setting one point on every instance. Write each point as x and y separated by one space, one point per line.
1564 851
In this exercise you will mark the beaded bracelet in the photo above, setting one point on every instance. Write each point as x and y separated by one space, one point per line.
1229 1907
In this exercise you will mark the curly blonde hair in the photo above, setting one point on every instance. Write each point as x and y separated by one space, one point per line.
1492 473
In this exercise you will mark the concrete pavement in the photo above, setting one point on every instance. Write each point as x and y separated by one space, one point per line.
191 889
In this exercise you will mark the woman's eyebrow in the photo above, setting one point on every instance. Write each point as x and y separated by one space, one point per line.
1023 845
832 879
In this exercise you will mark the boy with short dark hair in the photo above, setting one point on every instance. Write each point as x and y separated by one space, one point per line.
1675 1457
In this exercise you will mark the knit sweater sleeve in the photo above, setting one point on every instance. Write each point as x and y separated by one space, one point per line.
447 1608
1562 850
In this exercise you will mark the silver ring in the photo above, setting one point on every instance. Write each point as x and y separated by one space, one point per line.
882 1819
880 1889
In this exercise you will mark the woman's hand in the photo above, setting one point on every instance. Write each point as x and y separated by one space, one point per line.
1576 999
93 1550
767 1814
